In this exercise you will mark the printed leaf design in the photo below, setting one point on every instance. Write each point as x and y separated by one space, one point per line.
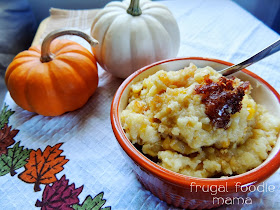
5 115
7 138
60 195
15 159
92 203
42 167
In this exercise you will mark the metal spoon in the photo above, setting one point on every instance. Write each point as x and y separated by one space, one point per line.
255 58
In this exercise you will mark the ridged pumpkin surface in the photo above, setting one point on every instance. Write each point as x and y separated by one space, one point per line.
55 87
127 42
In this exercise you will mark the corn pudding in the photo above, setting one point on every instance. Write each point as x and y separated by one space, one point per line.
198 123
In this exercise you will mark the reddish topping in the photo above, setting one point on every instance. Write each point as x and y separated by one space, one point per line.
221 99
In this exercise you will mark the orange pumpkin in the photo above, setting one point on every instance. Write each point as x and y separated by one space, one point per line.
59 78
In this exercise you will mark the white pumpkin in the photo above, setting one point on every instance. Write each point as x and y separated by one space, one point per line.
132 35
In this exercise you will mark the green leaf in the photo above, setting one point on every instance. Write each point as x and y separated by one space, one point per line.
5 115
92 203
13 160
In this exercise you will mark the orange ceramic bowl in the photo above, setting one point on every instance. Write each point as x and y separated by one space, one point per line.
185 191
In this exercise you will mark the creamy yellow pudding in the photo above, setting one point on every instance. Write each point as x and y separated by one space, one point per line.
196 122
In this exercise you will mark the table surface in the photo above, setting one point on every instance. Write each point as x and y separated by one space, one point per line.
214 29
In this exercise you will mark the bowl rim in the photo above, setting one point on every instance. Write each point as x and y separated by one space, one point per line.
253 176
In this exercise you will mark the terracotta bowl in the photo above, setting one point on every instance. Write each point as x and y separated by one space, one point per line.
185 191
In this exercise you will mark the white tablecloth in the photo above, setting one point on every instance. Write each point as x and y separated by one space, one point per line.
213 28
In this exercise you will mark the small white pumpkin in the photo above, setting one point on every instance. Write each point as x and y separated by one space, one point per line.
132 35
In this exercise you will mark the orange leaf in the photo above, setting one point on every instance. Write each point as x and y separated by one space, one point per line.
42 167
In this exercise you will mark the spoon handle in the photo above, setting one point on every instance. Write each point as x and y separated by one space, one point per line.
257 57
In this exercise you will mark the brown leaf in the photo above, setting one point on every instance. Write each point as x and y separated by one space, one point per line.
7 138
42 167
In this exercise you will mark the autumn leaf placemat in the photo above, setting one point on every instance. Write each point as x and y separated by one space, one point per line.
39 168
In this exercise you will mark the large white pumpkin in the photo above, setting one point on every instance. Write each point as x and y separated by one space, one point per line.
132 35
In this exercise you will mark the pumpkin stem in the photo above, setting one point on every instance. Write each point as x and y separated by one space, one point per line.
47 56
134 8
